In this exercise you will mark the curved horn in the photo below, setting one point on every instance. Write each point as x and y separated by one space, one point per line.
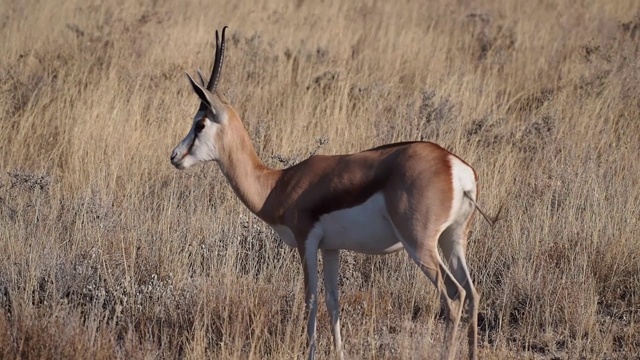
217 64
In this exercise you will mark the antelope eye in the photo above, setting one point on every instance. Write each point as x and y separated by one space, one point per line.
199 126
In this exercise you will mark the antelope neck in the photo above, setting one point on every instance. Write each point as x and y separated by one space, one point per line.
250 178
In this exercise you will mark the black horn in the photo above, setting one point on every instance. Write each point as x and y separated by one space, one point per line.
217 64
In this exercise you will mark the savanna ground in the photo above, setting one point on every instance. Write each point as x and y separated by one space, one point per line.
106 251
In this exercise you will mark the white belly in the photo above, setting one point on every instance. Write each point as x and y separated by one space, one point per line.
365 228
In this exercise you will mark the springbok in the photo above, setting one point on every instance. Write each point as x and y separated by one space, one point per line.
412 195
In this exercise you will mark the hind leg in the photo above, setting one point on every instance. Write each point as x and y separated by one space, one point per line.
453 243
451 293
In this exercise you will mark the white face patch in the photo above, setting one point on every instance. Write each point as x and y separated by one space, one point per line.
197 147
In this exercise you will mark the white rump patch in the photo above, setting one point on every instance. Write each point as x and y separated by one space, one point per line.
463 180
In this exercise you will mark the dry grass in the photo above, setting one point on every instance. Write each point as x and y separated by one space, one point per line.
106 251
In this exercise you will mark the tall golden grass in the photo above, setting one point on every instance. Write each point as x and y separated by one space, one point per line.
106 251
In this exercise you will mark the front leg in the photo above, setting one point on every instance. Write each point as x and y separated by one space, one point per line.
309 255
331 268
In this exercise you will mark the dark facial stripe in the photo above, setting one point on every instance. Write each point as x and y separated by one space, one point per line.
194 139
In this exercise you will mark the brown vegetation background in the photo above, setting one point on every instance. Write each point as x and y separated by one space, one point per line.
106 251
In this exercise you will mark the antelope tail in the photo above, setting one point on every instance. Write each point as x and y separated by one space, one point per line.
491 221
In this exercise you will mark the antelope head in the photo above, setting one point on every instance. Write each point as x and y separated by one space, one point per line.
202 142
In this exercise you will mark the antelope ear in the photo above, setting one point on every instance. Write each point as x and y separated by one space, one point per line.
202 93
201 78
